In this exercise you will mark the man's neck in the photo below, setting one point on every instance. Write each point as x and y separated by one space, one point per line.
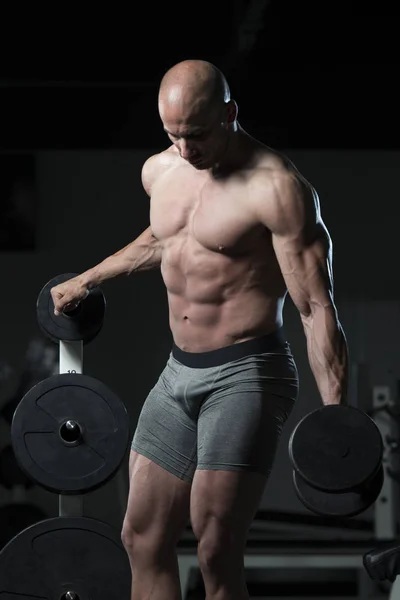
233 157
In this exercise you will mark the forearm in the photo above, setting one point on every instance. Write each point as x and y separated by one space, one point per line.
143 254
327 353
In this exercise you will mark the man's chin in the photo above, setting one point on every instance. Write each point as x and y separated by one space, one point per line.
199 165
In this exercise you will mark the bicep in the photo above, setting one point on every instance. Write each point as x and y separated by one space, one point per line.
306 265
289 207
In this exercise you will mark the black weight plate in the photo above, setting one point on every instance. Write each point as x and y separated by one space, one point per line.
83 324
50 558
16 517
336 448
344 504
38 441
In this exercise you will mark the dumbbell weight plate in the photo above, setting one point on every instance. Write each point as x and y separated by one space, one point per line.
336 448
79 555
340 504
14 517
82 324
65 460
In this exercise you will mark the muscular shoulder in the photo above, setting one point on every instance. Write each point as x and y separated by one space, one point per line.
156 166
284 201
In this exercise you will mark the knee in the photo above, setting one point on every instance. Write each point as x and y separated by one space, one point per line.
210 555
214 547
137 544
143 546
128 536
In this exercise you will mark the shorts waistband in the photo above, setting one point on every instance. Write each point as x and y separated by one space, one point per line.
214 358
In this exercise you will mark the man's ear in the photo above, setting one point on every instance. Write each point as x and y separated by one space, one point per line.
231 111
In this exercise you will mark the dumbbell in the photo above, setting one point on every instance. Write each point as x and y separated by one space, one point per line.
336 453
81 324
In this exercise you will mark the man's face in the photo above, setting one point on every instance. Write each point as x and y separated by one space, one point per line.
199 138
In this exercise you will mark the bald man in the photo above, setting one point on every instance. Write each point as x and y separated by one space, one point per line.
234 227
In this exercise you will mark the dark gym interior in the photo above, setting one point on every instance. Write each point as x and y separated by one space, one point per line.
78 118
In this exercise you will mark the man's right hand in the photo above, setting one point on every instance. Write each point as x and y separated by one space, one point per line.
66 296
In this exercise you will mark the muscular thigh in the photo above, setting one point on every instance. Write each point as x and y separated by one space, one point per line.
158 503
223 505
241 421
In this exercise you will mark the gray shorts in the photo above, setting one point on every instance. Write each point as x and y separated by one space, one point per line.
223 409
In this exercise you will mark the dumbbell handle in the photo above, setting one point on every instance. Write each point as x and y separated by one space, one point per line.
73 312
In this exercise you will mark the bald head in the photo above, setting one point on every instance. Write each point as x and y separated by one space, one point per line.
197 112
192 86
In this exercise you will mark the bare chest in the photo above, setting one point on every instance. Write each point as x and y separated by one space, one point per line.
214 215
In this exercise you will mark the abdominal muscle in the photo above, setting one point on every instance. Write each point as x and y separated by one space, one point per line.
216 300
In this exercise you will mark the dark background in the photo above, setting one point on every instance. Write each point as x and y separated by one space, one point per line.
78 99
305 74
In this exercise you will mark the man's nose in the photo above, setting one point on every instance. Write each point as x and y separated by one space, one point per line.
186 150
